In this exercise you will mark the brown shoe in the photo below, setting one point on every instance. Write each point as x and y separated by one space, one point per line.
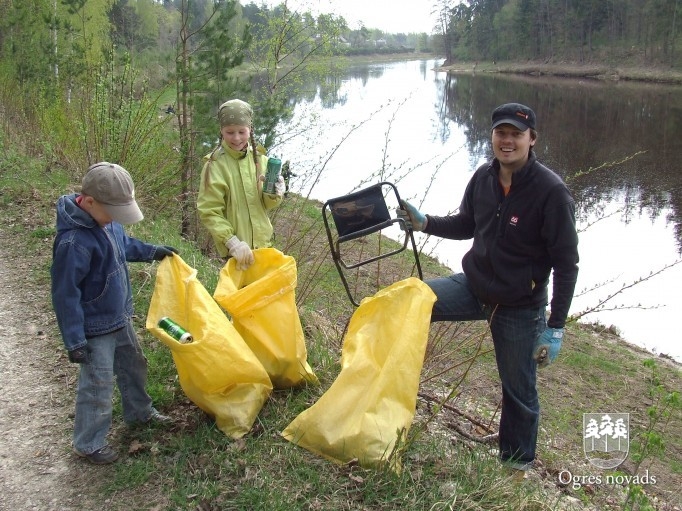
102 456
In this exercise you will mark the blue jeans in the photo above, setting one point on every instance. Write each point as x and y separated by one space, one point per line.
514 331
114 355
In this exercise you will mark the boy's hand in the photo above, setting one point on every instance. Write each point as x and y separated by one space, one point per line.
79 355
163 251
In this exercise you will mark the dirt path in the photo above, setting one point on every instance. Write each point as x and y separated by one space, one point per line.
37 468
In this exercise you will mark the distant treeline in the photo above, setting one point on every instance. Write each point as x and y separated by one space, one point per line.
46 40
640 32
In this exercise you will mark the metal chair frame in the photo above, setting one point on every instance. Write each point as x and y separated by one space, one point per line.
360 214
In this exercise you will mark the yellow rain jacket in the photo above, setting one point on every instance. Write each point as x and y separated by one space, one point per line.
231 202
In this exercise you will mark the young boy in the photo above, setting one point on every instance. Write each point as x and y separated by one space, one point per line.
92 299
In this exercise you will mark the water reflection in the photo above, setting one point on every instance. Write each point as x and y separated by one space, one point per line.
585 124
428 131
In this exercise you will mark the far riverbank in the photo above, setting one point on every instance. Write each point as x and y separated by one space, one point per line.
596 71
570 70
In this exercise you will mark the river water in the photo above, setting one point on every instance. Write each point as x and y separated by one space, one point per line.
613 142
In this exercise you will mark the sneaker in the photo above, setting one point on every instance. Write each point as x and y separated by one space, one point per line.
158 418
102 456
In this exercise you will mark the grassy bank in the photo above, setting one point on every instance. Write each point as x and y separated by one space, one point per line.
591 71
626 71
447 463
598 71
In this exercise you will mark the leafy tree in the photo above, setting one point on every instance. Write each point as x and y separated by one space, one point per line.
208 51
88 28
135 24
22 27
221 51
505 31
587 18
148 13
169 27
125 24
287 46
453 23
526 37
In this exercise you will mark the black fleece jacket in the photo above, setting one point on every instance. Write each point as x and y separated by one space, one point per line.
518 239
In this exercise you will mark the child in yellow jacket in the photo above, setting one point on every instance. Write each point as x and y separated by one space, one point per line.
231 202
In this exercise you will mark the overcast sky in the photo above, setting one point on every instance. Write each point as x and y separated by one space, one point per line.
391 16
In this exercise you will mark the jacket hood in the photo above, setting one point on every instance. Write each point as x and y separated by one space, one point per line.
71 216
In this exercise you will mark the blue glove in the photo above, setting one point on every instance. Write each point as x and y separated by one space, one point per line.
547 346
163 251
413 218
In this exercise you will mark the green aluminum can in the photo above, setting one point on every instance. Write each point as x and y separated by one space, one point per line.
272 174
175 331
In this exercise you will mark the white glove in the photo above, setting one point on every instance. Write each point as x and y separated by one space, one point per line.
241 252
279 187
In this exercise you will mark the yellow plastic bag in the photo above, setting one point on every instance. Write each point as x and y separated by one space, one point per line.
262 304
374 398
217 371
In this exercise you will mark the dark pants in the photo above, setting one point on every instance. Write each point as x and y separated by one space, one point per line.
514 331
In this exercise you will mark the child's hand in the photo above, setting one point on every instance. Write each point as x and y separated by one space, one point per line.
79 355
279 187
163 251
241 252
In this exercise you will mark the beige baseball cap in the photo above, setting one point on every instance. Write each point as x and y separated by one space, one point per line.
111 185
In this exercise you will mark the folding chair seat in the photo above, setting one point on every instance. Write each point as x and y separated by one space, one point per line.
360 214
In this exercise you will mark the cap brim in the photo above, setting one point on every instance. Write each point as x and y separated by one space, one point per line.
125 214
513 122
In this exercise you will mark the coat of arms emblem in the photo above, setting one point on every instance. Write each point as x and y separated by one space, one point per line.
606 438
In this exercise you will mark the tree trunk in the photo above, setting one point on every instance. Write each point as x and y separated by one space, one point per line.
183 63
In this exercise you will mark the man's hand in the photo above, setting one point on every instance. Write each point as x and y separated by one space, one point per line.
163 251
413 218
79 355
547 346
241 252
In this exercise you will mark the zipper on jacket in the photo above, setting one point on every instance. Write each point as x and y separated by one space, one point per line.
498 215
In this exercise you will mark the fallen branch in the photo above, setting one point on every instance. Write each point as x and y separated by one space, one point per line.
487 439
452 408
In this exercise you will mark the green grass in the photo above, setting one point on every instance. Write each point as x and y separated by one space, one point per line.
676 466
43 233
133 473
601 366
